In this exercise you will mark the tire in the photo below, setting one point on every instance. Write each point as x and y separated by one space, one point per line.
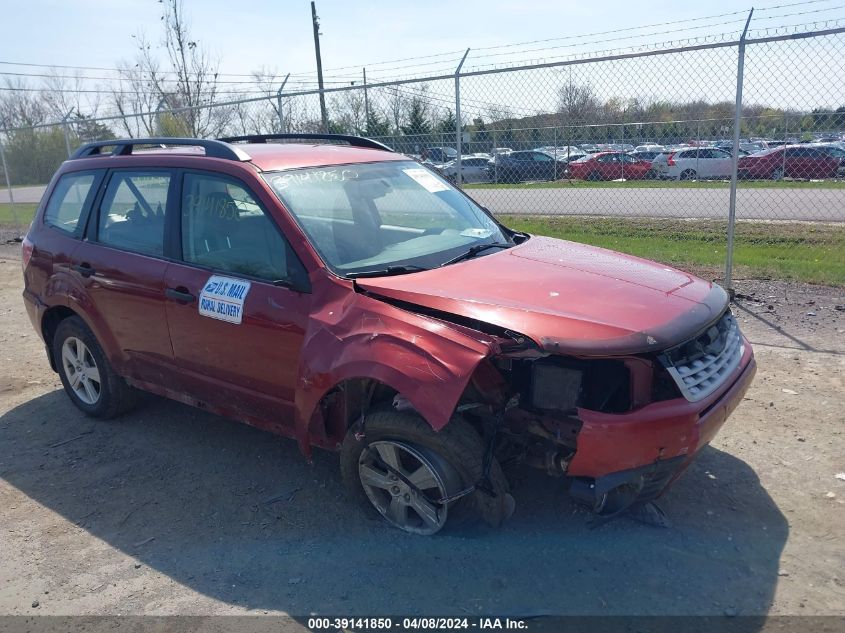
688 174
594 176
456 454
88 378
777 173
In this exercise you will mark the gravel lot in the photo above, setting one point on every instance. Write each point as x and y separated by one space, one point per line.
170 510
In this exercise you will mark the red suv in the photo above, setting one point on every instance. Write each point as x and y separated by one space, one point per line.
343 295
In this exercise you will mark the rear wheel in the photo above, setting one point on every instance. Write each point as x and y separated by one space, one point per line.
86 375
688 174
403 469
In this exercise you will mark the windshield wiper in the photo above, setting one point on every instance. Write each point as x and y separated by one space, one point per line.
475 250
386 272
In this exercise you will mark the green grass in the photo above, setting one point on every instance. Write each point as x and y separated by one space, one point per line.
19 214
664 184
813 253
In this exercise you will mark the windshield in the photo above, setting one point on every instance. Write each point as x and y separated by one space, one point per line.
372 216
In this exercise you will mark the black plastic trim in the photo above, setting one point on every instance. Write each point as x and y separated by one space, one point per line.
355 141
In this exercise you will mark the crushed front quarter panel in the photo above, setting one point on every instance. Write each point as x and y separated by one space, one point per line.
352 335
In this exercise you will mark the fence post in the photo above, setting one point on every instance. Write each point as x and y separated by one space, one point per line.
8 181
458 131
279 101
740 69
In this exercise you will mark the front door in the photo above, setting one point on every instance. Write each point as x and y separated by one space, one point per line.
237 303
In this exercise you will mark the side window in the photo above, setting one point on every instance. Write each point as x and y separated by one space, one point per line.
224 228
132 211
542 158
68 200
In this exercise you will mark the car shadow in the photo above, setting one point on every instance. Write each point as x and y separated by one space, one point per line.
237 514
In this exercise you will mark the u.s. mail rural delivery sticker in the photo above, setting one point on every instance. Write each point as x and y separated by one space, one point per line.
223 298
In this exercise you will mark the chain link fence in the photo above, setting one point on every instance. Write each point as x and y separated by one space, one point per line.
636 151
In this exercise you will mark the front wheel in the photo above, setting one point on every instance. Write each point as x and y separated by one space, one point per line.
405 471
777 174
86 375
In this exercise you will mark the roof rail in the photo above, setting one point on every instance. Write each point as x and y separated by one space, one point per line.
355 141
125 147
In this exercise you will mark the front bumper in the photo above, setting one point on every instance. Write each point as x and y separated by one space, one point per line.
657 441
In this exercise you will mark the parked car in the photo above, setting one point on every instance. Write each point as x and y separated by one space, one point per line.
609 166
837 151
439 155
648 155
340 294
526 166
790 161
658 149
474 168
694 164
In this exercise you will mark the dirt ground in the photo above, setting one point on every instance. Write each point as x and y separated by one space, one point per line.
170 510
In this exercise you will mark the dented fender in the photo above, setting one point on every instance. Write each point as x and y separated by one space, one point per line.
356 336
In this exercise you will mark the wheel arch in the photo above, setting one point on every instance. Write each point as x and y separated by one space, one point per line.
50 321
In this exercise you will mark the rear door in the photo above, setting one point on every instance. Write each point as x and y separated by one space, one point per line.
611 166
719 163
121 266
238 301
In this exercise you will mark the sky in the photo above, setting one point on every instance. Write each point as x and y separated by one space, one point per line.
277 33
426 37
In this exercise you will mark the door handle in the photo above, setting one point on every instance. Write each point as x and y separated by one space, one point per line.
84 269
180 295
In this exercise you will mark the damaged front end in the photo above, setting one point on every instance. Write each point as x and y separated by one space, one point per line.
618 426
618 430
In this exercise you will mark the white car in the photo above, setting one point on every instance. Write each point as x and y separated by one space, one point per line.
650 148
693 163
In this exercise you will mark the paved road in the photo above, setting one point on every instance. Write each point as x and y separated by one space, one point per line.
819 205
22 194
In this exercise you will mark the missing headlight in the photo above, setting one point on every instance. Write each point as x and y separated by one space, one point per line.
559 384
555 387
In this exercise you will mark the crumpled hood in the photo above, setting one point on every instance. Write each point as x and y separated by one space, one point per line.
567 297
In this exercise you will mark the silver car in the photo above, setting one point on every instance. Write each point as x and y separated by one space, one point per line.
473 169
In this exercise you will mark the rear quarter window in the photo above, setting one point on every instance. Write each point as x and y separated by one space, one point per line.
69 199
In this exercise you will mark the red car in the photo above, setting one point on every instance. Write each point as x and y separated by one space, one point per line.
609 166
791 161
340 294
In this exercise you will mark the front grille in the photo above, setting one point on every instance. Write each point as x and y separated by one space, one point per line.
700 366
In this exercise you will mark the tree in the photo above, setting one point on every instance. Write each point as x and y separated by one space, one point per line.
186 87
417 117
577 104
377 125
446 125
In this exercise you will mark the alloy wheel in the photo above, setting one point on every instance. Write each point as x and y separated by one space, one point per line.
386 468
81 370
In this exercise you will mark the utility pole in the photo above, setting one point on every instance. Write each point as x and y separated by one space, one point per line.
366 104
316 24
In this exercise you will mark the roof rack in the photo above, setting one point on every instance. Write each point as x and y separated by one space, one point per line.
125 147
355 141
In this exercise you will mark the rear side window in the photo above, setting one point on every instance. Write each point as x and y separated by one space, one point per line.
225 229
132 211
68 200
